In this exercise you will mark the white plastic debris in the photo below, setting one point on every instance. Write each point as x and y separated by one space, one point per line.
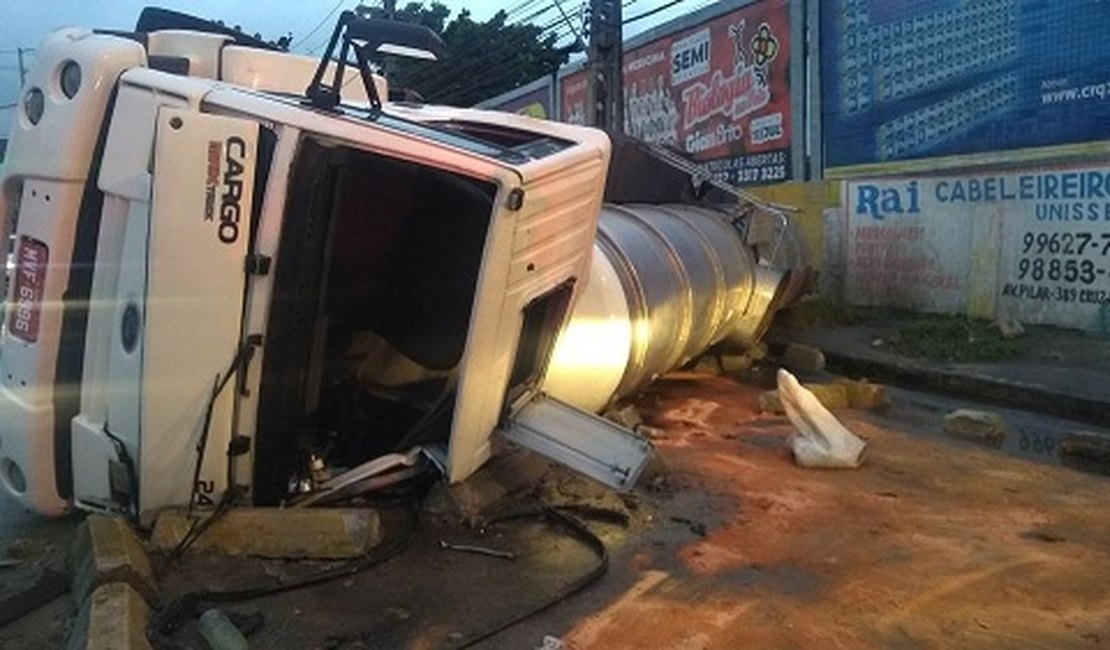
821 441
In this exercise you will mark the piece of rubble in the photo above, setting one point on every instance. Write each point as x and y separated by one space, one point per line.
800 357
821 441
978 426
105 550
831 396
1009 327
736 363
650 432
769 402
628 416
113 617
1086 450
863 394
317 533
707 364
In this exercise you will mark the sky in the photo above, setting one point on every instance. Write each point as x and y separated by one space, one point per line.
23 23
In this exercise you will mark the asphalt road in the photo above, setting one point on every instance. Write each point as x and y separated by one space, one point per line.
933 542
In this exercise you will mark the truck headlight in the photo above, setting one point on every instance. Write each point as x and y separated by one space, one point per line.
70 79
34 103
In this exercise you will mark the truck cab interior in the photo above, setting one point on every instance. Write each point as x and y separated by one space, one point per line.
373 290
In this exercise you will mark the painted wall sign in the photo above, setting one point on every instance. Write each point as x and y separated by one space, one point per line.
719 91
1033 244
904 80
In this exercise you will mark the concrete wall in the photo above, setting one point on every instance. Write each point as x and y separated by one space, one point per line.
811 199
1028 242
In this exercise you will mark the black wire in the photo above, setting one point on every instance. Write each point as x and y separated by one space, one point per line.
651 12
580 532
242 355
519 9
320 24
171 616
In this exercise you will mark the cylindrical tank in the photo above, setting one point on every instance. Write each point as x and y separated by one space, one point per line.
667 282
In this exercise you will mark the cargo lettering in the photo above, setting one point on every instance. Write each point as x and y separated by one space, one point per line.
235 152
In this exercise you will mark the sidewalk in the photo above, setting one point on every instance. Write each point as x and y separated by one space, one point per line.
1060 372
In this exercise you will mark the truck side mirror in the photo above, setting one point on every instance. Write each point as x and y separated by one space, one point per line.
367 37
394 37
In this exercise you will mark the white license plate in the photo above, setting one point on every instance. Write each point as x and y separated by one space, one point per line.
30 279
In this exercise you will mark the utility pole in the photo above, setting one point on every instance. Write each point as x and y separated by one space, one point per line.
605 92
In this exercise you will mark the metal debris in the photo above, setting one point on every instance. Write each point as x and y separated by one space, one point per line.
477 550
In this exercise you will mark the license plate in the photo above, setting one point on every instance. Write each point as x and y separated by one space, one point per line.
30 279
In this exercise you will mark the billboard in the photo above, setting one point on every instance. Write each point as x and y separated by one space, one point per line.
534 100
719 91
924 78
1031 244
573 92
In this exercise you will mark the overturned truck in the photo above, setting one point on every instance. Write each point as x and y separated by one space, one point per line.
223 285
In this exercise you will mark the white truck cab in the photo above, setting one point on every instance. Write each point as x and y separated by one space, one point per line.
214 279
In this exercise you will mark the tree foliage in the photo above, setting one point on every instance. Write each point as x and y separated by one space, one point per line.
484 59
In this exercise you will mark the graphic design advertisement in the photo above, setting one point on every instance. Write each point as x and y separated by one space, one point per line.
910 79
1034 244
719 91
533 103
572 97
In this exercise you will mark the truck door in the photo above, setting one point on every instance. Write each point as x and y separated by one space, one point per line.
168 302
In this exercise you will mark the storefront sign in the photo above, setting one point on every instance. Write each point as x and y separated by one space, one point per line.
1033 245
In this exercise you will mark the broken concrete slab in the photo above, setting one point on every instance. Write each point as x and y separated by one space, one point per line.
863 394
736 363
1087 451
978 426
313 533
627 416
800 357
831 396
708 365
114 617
106 550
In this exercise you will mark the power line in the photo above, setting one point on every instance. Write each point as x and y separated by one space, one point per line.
652 12
519 8
320 24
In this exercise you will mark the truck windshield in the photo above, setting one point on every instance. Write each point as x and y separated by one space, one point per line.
374 283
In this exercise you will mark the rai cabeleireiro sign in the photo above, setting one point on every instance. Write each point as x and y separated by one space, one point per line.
1029 244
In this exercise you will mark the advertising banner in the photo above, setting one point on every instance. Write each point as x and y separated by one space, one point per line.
906 80
536 102
719 91
1032 245
572 97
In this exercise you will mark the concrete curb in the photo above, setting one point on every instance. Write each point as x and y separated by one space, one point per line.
105 550
112 584
113 617
1013 394
314 533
